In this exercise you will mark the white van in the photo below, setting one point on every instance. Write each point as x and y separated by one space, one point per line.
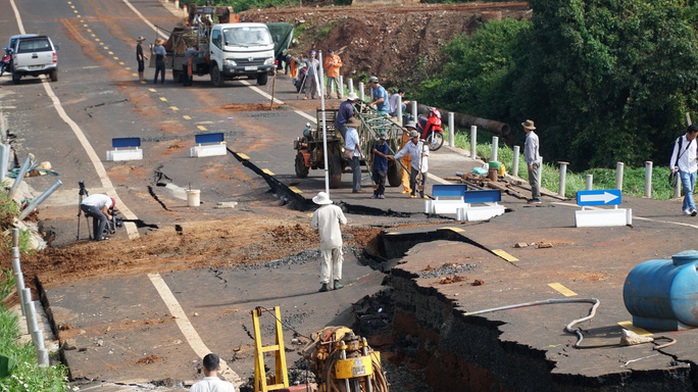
241 50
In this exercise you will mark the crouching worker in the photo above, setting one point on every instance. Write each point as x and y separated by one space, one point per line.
99 207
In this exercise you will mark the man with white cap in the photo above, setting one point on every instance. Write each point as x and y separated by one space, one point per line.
419 153
326 220
533 160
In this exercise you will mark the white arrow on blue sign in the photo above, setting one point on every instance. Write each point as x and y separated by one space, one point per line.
604 197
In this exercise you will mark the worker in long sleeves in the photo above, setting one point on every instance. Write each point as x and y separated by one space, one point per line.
326 220
418 165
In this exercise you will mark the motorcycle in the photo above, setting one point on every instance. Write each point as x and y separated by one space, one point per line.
6 63
430 129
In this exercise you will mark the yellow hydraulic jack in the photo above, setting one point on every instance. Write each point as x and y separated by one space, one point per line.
280 373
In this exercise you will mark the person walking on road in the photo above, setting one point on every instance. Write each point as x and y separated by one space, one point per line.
345 113
311 75
160 59
327 220
415 148
352 147
140 58
380 165
533 160
683 161
211 382
99 208
407 159
332 64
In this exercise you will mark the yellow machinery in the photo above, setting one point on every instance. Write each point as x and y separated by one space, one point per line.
344 362
280 379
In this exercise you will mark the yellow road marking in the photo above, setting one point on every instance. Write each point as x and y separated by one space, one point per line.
295 190
134 74
163 99
152 90
85 25
174 108
202 128
243 156
88 30
506 256
110 52
630 327
186 117
93 35
106 48
268 172
562 289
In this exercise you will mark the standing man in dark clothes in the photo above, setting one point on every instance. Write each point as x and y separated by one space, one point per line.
345 113
140 58
188 65
380 165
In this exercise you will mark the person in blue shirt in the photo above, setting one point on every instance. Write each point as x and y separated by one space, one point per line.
380 165
379 96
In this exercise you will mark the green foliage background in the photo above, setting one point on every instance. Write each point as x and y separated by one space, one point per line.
605 80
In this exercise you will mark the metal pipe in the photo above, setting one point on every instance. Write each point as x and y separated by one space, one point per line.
31 207
4 160
22 172
568 328
451 131
324 126
619 175
590 182
343 355
563 178
364 351
515 163
473 142
19 278
495 148
648 179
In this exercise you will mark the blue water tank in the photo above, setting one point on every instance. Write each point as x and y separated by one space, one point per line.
663 294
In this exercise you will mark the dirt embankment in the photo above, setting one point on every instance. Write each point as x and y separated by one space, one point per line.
400 44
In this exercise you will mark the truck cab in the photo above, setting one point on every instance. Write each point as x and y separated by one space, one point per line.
34 55
241 50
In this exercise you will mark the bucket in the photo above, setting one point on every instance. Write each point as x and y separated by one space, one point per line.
495 165
193 197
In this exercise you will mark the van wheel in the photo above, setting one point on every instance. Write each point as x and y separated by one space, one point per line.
216 76
54 75
262 79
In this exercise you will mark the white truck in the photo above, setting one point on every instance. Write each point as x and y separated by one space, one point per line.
33 55
227 51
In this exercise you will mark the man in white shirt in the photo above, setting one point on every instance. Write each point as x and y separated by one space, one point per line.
211 382
352 145
419 163
99 208
326 220
683 160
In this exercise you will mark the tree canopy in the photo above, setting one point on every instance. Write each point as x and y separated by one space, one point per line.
605 80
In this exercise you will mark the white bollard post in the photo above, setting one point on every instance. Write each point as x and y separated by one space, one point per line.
350 84
590 182
341 87
414 110
515 163
473 142
648 179
4 161
361 91
22 172
563 178
678 188
495 149
540 173
398 110
619 175
451 130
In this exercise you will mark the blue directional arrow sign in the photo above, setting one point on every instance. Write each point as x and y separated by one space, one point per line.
605 197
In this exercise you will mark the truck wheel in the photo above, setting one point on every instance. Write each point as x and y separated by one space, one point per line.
262 79
177 75
394 174
216 76
335 171
16 77
53 75
301 169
